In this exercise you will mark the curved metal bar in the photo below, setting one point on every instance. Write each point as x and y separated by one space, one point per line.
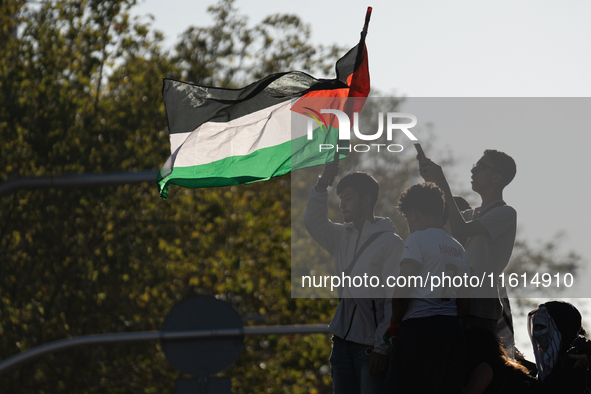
98 339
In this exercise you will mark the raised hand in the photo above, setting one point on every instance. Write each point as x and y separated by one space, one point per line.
331 170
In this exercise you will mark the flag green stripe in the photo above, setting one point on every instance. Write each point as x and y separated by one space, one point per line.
261 165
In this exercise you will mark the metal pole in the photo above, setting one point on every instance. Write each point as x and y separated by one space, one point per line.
98 339
65 180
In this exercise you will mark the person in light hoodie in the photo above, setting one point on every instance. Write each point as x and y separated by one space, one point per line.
363 245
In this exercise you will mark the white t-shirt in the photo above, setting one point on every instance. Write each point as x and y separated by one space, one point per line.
438 254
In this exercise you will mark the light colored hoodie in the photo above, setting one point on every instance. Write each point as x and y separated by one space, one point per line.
363 314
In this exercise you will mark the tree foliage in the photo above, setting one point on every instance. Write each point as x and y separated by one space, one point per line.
230 54
81 92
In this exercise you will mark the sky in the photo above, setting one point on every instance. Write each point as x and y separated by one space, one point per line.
459 48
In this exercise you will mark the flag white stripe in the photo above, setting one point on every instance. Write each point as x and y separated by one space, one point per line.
177 140
215 141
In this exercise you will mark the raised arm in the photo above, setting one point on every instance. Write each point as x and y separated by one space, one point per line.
320 228
461 229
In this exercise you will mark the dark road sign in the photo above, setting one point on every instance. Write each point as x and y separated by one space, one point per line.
202 357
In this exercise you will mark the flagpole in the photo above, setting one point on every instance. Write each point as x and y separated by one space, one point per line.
361 46
365 26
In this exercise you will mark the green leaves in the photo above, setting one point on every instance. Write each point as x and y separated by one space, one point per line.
80 91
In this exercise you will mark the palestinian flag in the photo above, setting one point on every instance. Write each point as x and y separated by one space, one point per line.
222 137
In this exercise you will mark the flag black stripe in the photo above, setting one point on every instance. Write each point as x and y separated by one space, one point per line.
188 106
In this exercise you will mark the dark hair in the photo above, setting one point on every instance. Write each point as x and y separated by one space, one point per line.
503 164
567 319
426 198
361 183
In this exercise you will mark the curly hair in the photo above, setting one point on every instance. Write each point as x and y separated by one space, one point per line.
426 198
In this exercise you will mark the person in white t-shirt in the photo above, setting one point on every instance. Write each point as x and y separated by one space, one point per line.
426 331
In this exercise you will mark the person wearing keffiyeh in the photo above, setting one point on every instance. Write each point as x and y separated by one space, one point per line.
559 346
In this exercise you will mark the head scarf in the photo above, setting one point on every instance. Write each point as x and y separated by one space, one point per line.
558 325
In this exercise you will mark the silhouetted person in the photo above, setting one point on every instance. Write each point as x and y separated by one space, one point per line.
488 232
427 335
359 356
560 348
